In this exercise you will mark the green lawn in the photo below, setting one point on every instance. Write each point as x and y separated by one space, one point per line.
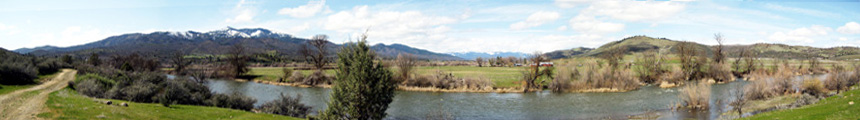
501 76
832 108
10 88
68 104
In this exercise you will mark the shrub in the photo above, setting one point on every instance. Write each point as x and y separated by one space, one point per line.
696 96
296 76
650 67
813 87
318 77
837 81
91 87
286 105
719 72
14 73
563 79
288 73
233 101
758 90
608 77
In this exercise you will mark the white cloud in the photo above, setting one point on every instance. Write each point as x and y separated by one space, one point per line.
635 10
9 29
808 12
590 25
570 3
242 12
74 35
849 28
803 35
536 19
561 28
387 26
305 11
843 39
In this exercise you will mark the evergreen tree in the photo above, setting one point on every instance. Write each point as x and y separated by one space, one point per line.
363 89
94 60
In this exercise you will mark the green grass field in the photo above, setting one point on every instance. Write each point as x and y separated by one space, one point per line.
10 88
832 108
68 104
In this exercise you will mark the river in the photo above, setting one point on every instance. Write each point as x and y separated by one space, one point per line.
535 105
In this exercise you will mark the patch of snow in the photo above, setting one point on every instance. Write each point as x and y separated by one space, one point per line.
256 33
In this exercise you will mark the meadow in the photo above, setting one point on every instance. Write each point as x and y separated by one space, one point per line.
68 104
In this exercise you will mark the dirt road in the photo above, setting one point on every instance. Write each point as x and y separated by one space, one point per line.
25 104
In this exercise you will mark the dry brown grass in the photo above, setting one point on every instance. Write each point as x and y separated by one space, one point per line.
696 96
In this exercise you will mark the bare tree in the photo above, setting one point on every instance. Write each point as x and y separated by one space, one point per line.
480 61
317 56
405 63
237 60
533 73
180 63
687 55
740 102
718 53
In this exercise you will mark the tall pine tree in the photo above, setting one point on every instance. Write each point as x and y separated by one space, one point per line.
363 89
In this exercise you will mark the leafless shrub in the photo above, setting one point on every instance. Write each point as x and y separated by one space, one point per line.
296 76
650 67
608 77
758 90
813 87
444 80
287 73
719 72
563 79
837 81
739 102
696 96
316 78
405 64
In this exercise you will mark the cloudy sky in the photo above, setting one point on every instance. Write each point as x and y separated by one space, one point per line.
440 25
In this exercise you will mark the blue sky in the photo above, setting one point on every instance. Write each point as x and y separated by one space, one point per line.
442 25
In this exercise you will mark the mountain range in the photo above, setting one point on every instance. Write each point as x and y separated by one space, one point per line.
255 40
473 55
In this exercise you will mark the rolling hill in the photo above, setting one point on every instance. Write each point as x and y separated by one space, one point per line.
765 50
256 40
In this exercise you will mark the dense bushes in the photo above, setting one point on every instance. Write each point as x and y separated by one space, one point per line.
233 101
151 87
19 69
286 105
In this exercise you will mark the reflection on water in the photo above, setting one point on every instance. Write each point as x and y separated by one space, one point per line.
537 105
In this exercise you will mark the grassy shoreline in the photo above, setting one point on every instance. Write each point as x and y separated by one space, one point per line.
68 104
834 107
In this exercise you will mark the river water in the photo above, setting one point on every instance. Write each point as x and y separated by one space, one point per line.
535 105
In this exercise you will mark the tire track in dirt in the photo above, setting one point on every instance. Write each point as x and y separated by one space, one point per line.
20 105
